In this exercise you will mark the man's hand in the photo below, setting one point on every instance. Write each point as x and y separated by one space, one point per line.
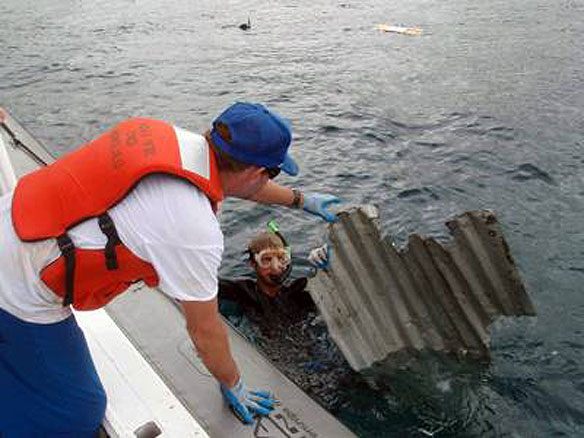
319 257
317 203
247 404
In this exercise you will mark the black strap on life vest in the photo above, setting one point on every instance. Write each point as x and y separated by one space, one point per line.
109 229
68 251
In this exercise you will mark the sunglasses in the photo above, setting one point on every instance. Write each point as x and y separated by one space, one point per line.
272 172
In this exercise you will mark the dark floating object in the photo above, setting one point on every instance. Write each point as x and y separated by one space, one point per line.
245 26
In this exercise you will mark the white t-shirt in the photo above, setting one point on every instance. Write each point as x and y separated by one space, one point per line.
165 220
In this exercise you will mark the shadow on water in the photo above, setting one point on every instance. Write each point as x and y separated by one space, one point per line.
436 395
422 394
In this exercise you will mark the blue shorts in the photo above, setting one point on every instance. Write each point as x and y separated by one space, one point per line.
48 384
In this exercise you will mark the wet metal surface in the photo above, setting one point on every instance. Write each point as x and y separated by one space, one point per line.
378 299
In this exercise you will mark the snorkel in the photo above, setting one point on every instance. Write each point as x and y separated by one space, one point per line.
274 227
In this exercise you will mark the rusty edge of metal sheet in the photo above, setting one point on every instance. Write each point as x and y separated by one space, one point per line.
377 299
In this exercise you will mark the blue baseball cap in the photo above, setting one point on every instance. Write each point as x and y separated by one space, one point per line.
258 136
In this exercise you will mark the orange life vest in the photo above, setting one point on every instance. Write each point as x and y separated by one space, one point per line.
85 184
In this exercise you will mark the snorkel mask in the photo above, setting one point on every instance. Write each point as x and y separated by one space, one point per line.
267 257
280 257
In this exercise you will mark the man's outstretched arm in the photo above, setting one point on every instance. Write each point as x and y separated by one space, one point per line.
209 334
314 203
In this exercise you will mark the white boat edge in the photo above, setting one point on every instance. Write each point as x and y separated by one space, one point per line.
138 399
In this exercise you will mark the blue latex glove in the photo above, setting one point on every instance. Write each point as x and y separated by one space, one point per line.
317 203
247 404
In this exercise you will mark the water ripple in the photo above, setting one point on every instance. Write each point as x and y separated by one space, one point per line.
528 172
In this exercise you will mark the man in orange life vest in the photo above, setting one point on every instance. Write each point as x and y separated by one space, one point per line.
137 203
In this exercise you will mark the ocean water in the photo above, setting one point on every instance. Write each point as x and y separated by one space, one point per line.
485 109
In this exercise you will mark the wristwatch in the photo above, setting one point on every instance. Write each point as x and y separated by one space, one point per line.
297 198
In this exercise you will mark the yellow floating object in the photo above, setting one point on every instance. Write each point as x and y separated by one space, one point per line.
413 31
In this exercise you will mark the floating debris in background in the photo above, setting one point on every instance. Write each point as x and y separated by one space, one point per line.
246 26
412 31
378 300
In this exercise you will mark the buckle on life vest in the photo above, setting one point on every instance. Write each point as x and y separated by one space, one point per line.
68 252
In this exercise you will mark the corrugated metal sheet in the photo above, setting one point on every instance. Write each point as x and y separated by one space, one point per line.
377 299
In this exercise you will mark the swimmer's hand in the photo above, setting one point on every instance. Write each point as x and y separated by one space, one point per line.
319 257
246 404
318 203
